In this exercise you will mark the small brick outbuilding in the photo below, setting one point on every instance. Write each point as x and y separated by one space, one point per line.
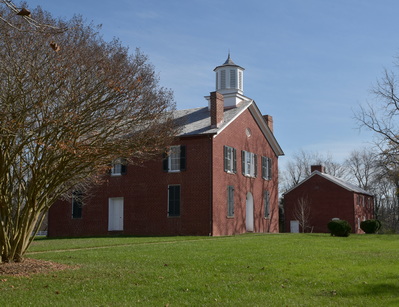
323 198
220 177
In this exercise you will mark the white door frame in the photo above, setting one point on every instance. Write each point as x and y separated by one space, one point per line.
115 214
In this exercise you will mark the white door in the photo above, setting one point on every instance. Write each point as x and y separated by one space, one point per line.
115 214
249 211
294 226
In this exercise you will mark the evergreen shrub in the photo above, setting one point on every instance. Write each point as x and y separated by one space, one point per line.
339 228
370 226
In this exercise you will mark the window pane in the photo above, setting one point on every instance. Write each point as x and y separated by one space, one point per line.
174 158
116 169
229 159
174 200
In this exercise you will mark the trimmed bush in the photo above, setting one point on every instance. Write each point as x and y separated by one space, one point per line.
339 228
370 226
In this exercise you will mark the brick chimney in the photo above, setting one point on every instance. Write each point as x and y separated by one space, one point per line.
269 121
216 108
319 168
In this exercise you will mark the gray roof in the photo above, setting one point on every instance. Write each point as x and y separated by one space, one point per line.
344 184
347 185
228 62
198 121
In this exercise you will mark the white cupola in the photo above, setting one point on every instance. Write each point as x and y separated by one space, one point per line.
229 82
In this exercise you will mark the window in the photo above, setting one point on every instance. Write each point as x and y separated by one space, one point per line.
249 164
230 201
266 203
174 200
175 161
230 164
77 203
266 168
119 167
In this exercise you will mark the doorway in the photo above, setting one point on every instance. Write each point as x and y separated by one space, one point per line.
294 226
249 211
115 214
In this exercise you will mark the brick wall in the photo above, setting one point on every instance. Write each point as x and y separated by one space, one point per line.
237 137
145 192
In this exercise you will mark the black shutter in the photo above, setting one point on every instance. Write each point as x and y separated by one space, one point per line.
234 161
77 202
123 169
225 152
182 158
230 201
165 162
263 167
256 165
243 161
174 201
269 170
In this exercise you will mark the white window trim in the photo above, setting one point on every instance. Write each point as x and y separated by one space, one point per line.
231 169
249 164
117 167
174 156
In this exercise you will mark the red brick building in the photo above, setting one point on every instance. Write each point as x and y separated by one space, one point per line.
219 178
326 197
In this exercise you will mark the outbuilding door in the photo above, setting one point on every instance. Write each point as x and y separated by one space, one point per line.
294 226
249 211
115 214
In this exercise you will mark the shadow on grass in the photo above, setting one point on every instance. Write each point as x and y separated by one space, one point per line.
389 291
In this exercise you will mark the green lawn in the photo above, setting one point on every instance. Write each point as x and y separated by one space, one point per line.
245 270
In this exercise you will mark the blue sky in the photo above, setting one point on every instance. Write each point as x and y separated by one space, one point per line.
308 63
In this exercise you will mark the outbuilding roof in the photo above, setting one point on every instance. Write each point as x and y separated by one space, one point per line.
344 184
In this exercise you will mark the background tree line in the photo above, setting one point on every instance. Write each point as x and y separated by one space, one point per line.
375 168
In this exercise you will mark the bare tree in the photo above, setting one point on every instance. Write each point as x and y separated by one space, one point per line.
363 166
299 168
302 212
66 112
21 15
381 117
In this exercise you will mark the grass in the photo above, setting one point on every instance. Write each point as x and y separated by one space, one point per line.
245 270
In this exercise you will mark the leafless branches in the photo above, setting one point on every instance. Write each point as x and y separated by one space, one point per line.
302 212
22 16
65 115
